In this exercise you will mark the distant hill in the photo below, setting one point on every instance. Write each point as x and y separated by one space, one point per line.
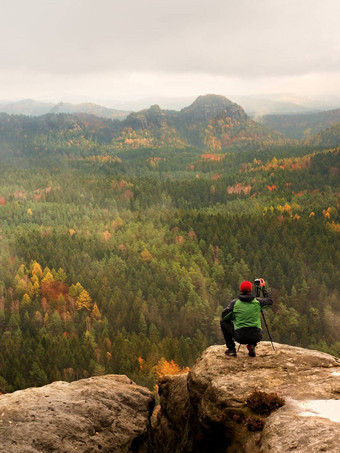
328 138
301 126
27 107
30 107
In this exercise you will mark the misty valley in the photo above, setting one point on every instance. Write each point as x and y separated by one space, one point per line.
122 240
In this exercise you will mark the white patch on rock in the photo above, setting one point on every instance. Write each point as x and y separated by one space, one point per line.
321 408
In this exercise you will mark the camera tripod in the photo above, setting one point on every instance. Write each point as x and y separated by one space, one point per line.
257 294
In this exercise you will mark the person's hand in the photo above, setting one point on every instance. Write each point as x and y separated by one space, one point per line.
262 283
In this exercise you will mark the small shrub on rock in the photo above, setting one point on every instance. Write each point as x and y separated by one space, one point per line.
264 403
254 423
238 418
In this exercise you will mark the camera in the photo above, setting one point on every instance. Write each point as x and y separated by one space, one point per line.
257 282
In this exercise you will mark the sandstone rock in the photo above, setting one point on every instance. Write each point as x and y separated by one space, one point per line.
218 386
101 414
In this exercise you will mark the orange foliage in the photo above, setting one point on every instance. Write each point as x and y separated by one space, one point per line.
215 157
106 235
164 367
285 208
273 187
239 188
122 247
53 289
179 240
217 176
2 201
192 234
127 195
120 185
297 163
335 227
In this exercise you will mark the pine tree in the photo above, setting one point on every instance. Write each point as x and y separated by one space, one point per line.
84 301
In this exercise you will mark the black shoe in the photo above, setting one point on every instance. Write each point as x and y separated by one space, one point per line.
251 349
231 352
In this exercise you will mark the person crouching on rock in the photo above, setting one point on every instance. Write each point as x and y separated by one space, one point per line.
241 320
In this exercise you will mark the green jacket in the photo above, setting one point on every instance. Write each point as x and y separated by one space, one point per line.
246 310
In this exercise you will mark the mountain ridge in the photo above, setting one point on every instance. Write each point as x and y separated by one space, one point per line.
30 107
301 126
211 123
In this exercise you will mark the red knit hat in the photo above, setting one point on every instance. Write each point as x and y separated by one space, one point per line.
246 286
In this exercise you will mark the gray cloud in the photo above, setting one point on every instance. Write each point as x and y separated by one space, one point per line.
238 38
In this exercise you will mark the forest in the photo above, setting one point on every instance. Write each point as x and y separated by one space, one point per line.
117 260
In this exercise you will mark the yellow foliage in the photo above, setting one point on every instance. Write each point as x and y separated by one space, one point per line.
326 213
285 208
26 300
117 223
29 211
95 314
146 255
84 300
36 269
335 227
48 278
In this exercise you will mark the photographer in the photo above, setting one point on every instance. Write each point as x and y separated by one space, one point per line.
241 320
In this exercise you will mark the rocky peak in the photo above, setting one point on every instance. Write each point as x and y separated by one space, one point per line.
147 118
212 106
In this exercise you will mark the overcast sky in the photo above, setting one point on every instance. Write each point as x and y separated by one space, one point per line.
114 50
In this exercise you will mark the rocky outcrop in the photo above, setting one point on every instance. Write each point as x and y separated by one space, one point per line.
211 106
205 410
201 411
101 414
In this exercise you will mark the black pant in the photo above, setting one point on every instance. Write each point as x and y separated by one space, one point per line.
245 335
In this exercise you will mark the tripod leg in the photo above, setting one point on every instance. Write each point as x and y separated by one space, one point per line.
265 322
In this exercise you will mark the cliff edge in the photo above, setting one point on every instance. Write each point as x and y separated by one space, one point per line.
209 409
206 409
